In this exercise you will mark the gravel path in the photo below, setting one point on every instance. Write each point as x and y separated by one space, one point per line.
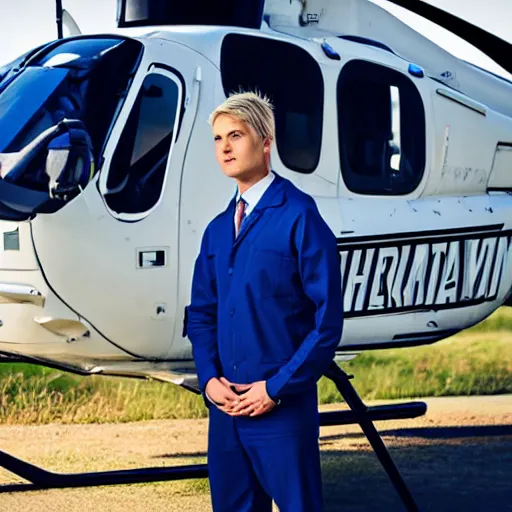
457 457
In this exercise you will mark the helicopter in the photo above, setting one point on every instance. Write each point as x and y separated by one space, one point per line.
108 174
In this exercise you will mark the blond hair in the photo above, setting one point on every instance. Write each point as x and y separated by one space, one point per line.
252 108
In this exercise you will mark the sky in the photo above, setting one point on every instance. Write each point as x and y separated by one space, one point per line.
25 24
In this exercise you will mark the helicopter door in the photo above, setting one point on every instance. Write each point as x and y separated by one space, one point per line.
112 253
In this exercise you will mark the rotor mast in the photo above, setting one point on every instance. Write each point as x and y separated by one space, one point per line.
58 8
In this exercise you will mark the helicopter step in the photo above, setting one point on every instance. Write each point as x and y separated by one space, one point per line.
358 412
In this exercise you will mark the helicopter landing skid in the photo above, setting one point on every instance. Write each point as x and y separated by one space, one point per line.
358 413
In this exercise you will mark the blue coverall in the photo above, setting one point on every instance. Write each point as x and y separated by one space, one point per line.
267 306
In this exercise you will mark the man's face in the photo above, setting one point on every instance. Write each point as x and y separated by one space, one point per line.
241 153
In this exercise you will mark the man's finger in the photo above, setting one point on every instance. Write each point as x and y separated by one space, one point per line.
225 382
244 404
261 410
249 397
265 407
246 411
235 388
227 394
243 387
227 407
240 407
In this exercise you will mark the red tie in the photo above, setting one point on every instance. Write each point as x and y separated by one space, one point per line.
239 216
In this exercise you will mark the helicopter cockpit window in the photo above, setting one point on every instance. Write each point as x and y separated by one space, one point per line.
84 79
293 81
138 167
57 106
381 123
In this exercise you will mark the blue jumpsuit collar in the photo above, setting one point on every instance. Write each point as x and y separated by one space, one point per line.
273 196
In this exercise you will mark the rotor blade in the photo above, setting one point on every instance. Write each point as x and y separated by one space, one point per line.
497 49
70 23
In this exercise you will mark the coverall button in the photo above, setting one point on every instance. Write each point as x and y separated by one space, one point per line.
230 271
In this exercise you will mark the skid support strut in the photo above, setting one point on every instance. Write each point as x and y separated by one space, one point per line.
365 416
42 479
357 413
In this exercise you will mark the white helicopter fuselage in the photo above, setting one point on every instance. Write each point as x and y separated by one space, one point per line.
101 290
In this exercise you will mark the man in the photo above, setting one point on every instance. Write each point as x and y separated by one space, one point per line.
264 321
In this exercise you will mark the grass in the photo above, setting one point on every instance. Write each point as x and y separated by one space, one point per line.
467 364
475 362
48 396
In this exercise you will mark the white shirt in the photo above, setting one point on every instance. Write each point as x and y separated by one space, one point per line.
254 193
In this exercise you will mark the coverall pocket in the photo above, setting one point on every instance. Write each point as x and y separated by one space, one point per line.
270 273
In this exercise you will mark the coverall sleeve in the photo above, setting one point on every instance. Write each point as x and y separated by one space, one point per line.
320 272
202 317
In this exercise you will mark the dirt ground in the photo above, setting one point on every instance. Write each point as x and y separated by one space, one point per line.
458 457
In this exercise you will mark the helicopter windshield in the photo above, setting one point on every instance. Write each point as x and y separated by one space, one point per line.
57 106
25 107
84 79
